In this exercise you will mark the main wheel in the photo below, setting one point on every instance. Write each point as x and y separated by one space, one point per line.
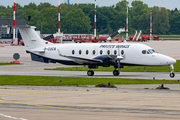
90 73
115 72
172 75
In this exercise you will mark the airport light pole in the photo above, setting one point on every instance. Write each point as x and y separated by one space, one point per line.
127 23
95 21
59 21
14 24
151 24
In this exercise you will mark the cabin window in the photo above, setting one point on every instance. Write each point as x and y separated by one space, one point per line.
122 52
80 51
87 52
115 52
108 52
144 52
73 52
101 52
94 52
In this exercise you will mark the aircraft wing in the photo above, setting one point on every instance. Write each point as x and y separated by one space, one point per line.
80 60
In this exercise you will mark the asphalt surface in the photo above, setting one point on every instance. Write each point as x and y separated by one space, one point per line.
142 102
87 102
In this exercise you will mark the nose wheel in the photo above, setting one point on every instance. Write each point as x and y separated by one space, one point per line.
172 74
90 73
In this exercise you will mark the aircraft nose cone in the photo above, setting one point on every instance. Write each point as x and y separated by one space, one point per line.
166 60
172 61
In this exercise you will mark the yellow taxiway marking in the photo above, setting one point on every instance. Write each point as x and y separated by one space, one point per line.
36 105
28 103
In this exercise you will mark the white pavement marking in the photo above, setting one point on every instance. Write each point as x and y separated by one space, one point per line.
12 117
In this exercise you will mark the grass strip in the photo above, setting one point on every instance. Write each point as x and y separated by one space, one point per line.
68 81
161 36
1 64
126 68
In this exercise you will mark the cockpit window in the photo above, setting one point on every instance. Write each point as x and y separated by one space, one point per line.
152 51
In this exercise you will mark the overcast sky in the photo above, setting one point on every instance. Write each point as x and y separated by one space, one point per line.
169 4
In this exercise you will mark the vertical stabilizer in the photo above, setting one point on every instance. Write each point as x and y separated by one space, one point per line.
30 37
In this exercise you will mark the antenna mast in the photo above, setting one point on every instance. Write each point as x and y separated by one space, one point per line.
127 23
95 21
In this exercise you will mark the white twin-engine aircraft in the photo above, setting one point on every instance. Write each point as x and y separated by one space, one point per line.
93 54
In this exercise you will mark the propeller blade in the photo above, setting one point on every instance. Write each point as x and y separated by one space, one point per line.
119 65
110 57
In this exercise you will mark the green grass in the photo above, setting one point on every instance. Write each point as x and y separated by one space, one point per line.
68 81
7 64
168 36
126 68
160 36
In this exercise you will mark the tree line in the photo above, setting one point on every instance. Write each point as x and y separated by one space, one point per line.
79 18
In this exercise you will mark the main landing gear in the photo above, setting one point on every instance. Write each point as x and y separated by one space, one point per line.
116 72
90 73
172 74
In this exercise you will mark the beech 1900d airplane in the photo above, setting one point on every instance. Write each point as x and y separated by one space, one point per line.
93 54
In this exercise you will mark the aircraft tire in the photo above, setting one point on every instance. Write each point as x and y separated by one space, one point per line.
172 75
115 72
90 73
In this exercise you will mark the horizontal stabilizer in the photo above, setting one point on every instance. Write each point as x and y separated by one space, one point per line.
41 50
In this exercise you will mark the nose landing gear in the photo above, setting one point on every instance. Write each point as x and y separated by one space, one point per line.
172 74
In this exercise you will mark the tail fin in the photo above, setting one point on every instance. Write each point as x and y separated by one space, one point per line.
30 37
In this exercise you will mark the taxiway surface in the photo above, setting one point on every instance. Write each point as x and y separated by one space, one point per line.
142 102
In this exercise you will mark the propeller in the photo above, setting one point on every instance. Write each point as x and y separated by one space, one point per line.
119 57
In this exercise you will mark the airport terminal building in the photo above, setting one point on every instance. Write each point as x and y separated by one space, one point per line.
6 33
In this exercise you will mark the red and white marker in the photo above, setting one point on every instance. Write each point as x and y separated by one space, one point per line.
151 24
127 23
59 18
14 23
95 21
